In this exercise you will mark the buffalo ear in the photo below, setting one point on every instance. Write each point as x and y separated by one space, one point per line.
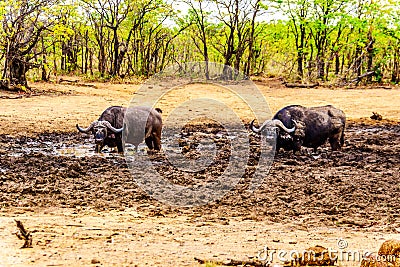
301 125
300 129
158 110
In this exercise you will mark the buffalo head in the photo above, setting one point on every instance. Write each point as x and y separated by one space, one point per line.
272 127
312 127
101 130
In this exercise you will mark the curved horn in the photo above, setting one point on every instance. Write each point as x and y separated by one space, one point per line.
270 123
87 129
109 126
266 123
254 129
283 127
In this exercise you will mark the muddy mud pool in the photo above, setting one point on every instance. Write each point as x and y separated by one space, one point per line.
357 187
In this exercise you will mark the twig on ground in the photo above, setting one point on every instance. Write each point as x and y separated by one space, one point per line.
300 85
23 234
376 116
10 97
231 262
76 82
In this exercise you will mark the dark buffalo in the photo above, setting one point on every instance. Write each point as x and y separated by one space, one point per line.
108 129
298 126
143 123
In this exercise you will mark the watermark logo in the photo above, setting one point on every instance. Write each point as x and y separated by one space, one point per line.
196 93
321 256
342 243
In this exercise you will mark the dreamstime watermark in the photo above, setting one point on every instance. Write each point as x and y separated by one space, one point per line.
340 253
167 88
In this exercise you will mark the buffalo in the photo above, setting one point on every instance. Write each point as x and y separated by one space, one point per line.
108 129
143 123
296 126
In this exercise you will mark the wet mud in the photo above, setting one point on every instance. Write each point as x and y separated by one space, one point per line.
356 187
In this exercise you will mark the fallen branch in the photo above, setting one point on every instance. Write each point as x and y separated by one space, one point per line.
358 79
357 59
383 87
67 81
23 234
10 97
376 116
76 82
231 262
300 85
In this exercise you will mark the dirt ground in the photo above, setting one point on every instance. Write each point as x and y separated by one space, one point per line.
87 210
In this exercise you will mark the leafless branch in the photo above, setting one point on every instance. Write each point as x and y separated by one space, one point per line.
23 234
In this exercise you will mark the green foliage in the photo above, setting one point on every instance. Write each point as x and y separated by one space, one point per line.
331 39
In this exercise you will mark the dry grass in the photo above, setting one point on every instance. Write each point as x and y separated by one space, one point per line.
67 105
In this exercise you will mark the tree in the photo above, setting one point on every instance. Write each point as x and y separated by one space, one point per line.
112 14
235 17
298 13
391 37
256 9
23 25
326 14
199 16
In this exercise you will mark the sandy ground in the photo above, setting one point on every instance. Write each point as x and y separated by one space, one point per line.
81 216
67 105
77 237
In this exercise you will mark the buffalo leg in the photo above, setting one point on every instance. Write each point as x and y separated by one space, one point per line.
277 148
157 143
335 141
342 139
149 142
297 146
98 148
337 138
120 148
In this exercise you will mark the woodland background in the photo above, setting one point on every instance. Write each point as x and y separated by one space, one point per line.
328 41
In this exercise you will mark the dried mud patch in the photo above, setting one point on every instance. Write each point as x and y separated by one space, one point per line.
355 187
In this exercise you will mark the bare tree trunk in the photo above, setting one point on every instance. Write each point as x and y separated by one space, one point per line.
87 52
358 58
6 63
370 56
115 66
300 43
83 58
63 57
300 53
55 59
227 71
44 62
337 64
91 61
102 60
395 67
310 63
320 66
